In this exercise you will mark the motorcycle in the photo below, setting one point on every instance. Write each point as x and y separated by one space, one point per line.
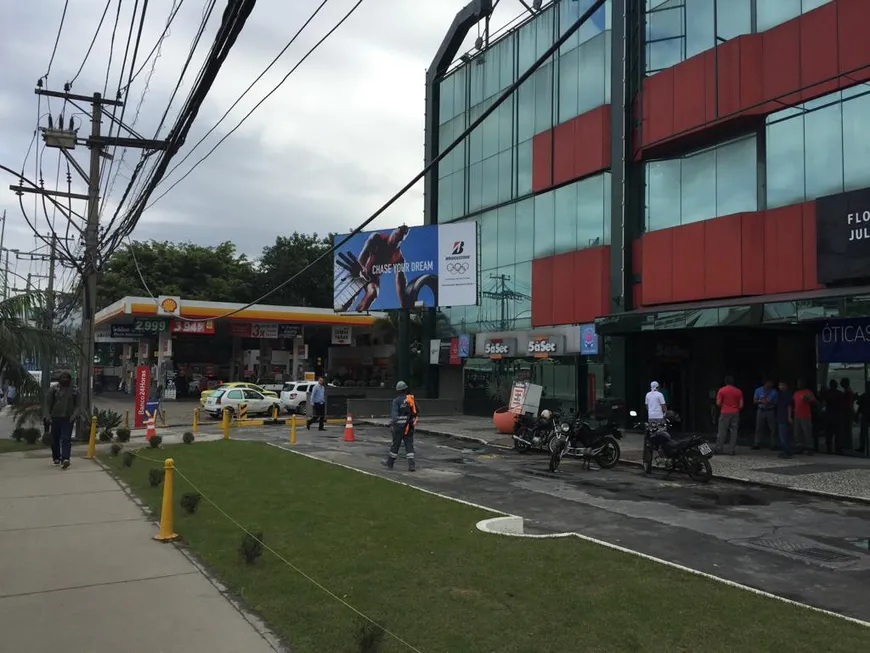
690 455
538 432
582 439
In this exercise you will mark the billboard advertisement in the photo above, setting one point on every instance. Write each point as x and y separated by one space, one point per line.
142 388
406 267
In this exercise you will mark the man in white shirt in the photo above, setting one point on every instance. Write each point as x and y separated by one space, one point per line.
655 403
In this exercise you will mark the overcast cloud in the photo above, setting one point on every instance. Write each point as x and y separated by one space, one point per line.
340 137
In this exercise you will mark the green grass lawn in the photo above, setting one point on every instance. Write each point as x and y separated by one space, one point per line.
416 564
8 445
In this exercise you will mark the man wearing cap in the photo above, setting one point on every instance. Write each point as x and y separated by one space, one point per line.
655 404
403 418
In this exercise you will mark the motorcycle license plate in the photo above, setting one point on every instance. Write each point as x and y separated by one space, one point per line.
705 450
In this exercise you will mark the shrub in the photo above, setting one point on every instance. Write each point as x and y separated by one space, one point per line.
123 434
127 459
190 501
106 435
251 547
31 435
18 434
46 439
116 449
155 476
188 437
107 419
155 441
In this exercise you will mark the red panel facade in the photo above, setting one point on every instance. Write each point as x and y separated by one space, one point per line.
752 253
688 80
688 265
542 291
722 241
657 275
563 152
780 62
819 64
542 161
853 46
784 249
571 288
592 141
637 266
564 275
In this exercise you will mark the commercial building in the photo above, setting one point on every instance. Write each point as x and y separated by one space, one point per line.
690 176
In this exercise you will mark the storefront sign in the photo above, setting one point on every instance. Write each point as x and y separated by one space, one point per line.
496 348
107 335
167 305
265 330
434 350
454 352
843 236
289 330
546 346
199 327
444 352
240 329
464 345
844 341
588 339
143 384
341 335
518 397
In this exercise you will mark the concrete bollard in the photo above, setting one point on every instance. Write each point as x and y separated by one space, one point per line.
166 532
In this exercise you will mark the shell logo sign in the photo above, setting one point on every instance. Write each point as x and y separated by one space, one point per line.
168 305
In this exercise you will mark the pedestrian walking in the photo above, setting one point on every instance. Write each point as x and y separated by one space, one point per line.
765 418
318 405
729 400
783 417
63 408
11 393
656 406
403 419
801 417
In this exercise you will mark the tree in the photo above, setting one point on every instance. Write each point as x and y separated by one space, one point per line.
288 256
182 269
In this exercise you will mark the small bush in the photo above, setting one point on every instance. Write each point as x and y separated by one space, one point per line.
18 434
155 441
188 437
107 419
116 449
123 434
32 435
190 501
251 547
106 435
46 439
127 459
155 476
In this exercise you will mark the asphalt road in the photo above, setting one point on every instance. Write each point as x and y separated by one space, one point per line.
804 548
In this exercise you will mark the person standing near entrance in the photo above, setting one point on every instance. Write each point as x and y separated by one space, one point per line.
729 400
655 404
801 418
783 417
63 408
765 399
403 419
318 405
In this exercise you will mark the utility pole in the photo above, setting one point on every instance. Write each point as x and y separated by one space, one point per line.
2 238
48 322
66 139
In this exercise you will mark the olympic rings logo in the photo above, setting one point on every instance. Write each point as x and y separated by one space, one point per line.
457 268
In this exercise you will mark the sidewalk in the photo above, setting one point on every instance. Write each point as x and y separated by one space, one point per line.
79 571
838 476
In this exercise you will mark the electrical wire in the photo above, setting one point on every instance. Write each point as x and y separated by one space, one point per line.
112 48
173 11
91 46
505 95
56 39
259 104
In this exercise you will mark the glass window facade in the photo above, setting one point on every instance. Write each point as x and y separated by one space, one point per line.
680 29
713 182
818 148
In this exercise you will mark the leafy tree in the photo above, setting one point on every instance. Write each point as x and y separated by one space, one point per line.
289 255
187 270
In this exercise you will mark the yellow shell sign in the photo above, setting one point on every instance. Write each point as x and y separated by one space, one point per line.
168 305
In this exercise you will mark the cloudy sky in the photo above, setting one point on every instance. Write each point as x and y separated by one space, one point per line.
338 139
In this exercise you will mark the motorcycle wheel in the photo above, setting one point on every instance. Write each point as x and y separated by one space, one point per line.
647 458
697 467
556 458
609 455
553 444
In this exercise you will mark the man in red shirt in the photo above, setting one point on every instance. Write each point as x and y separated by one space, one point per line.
729 399
801 417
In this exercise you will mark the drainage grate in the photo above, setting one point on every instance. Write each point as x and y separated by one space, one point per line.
811 552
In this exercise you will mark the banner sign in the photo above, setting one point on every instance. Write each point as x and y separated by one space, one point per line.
289 330
434 351
464 345
341 335
518 397
497 348
546 346
200 327
264 330
843 236
143 385
454 352
444 352
407 267
588 339
844 341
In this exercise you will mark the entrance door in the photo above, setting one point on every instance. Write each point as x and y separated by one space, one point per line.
674 385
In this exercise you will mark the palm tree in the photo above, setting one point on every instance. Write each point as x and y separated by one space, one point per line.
20 339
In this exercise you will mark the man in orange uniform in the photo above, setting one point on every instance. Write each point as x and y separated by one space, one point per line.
403 418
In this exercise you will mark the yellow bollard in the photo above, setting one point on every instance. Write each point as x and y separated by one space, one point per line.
92 440
127 419
166 534
196 420
293 430
274 412
163 416
225 425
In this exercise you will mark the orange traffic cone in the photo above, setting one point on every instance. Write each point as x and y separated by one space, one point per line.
348 429
150 428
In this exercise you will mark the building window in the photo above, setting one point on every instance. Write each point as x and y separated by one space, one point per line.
818 148
713 182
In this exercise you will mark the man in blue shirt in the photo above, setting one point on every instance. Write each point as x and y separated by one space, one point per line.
318 405
765 400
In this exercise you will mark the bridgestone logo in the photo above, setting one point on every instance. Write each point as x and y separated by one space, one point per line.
496 348
542 347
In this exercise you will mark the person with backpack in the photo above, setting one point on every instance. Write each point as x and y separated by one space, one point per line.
63 408
403 419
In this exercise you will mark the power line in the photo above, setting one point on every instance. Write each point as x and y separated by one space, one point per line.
505 95
176 5
57 39
91 46
112 48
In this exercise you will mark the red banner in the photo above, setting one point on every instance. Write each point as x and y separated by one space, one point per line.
240 329
186 326
143 385
454 352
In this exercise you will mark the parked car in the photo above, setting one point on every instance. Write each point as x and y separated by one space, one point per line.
294 396
258 403
203 397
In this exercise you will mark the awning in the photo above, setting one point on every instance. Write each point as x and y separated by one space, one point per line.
759 310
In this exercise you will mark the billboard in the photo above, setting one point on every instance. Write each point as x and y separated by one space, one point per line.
434 265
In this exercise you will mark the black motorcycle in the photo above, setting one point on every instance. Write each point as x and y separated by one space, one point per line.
588 441
690 454
535 432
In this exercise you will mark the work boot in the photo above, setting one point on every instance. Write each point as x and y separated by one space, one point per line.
411 465
388 462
